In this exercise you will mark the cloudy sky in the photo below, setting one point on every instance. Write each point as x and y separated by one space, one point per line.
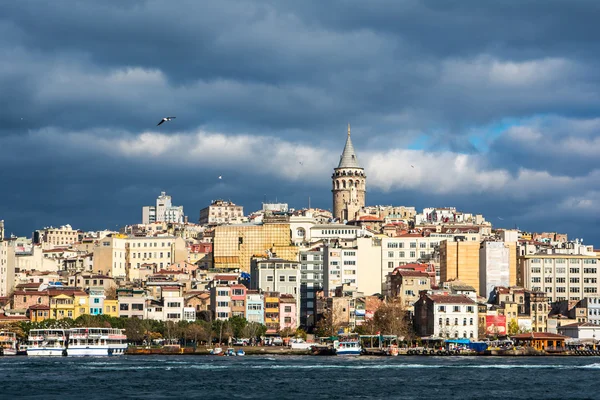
496 104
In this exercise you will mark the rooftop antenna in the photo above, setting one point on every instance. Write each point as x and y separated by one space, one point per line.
309 202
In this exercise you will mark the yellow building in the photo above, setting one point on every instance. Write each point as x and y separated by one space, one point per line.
459 260
111 308
234 245
68 303
272 312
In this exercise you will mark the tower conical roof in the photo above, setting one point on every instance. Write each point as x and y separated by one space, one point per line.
348 158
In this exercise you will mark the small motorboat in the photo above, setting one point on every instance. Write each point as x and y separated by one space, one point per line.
241 352
217 351
231 352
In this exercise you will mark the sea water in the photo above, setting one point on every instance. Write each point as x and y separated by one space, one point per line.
300 377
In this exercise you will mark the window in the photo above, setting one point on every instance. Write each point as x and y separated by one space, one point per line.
464 322
175 304
423 245
392 245
291 278
123 307
281 278
413 245
442 308
390 254
471 323
401 254
536 279
456 308
176 315
137 307
269 278
560 280
287 320
412 254
287 309
574 280
574 270
222 304
96 301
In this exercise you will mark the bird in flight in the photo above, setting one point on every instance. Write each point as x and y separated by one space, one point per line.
301 163
220 177
412 166
165 119
501 219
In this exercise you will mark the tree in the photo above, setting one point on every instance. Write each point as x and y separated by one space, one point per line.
392 319
327 325
254 330
237 324
300 333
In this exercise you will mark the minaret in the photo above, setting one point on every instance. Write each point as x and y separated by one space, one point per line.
349 184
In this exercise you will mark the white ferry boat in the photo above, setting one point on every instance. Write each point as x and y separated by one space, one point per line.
348 345
8 343
96 342
47 342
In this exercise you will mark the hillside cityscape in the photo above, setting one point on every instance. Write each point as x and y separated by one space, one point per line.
449 274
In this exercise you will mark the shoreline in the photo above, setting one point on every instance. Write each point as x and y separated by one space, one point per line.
283 351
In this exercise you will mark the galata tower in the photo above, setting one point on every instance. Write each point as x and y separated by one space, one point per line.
349 185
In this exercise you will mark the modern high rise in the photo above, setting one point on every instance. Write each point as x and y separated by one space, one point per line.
164 211
349 184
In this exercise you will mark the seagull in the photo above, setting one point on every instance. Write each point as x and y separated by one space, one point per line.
300 162
220 177
412 166
501 219
164 120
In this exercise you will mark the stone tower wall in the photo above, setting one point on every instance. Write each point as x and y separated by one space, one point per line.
348 198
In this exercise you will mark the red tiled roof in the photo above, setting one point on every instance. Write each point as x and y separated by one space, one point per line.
226 277
408 272
170 288
450 299
538 335
369 218
39 307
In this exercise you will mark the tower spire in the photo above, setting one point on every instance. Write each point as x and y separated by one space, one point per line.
348 128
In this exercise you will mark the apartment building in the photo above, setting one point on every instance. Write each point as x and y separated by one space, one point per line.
288 314
275 275
220 301
340 267
255 307
121 256
407 285
560 276
459 260
311 282
55 237
163 211
238 300
497 266
221 212
272 320
132 303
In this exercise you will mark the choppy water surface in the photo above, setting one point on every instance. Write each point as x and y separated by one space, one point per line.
286 377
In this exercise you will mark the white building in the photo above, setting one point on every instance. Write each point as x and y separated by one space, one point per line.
414 248
220 301
494 266
580 330
560 276
340 267
593 310
222 212
336 233
446 316
164 211
7 264
275 275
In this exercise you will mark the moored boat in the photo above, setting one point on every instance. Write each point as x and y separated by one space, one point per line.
217 351
348 348
241 352
8 343
230 352
47 342
96 342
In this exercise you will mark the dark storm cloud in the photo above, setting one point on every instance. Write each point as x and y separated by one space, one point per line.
83 84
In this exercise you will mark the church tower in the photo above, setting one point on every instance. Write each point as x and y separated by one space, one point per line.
349 185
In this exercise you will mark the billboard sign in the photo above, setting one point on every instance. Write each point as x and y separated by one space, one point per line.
495 325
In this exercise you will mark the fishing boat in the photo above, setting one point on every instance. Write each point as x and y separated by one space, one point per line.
47 342
8 343
96 342
241 352
217 351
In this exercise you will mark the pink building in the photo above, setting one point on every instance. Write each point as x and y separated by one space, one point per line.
288 312
238 300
